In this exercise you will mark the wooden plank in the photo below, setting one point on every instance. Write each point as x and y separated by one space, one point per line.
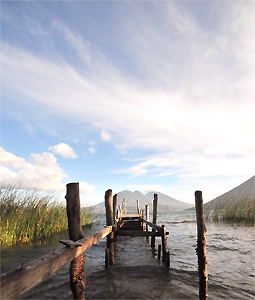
19 281
154 226
130 216
70 244
137 233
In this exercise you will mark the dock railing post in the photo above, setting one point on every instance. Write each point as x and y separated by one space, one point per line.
201 246
76 270
115 197
109 222
143 218
124 211
155 212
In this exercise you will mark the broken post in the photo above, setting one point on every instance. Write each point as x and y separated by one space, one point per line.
155 212
109 222
201 246
76 270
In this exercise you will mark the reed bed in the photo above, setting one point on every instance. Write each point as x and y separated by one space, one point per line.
32 215
240 211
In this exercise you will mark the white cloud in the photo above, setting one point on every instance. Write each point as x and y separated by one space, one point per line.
105 136
86 188
64 150
92 150
10 160
42 172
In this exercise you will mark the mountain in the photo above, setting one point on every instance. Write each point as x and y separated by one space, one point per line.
165 203
236 204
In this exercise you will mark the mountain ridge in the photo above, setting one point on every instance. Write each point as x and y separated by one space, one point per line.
165 202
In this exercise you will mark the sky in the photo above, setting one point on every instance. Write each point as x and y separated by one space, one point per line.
128 95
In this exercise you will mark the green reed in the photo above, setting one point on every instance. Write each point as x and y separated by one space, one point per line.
32 215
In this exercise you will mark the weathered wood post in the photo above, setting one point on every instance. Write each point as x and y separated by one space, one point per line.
201 246
164 242
115 197
155 212
147 216
159 251
124 211
109 222
76 270
137 207
143 218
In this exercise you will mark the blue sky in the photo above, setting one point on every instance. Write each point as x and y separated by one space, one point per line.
137 95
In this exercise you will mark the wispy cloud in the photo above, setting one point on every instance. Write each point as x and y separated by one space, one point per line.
92 150
188 97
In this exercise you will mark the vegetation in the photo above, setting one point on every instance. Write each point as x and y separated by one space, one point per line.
32 215
234 211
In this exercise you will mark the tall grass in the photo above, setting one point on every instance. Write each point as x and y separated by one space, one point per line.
31 215
238 211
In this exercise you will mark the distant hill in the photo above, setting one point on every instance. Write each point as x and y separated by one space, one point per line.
236 204
165 203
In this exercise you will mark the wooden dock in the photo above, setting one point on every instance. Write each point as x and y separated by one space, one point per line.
118 223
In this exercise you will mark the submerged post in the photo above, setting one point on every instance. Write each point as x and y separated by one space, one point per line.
201 246
109 222
155 212
76 270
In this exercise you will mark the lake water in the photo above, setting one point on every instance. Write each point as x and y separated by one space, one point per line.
138 274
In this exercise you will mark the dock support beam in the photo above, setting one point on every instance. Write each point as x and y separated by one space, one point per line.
155 212
76 270
201 246
109 222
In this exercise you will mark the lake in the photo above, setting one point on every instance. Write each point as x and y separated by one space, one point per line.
138 274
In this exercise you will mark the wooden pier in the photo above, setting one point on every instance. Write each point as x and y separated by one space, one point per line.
118 223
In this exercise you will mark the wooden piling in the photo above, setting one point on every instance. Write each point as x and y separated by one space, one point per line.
109 222
167 258
155 212
164 242
143 218
76 270
137 207
107 258
147 216
124 211
159 251
201 246
115 198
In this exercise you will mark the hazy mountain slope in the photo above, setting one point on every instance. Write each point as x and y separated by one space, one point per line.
236 204
165 203
244 191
